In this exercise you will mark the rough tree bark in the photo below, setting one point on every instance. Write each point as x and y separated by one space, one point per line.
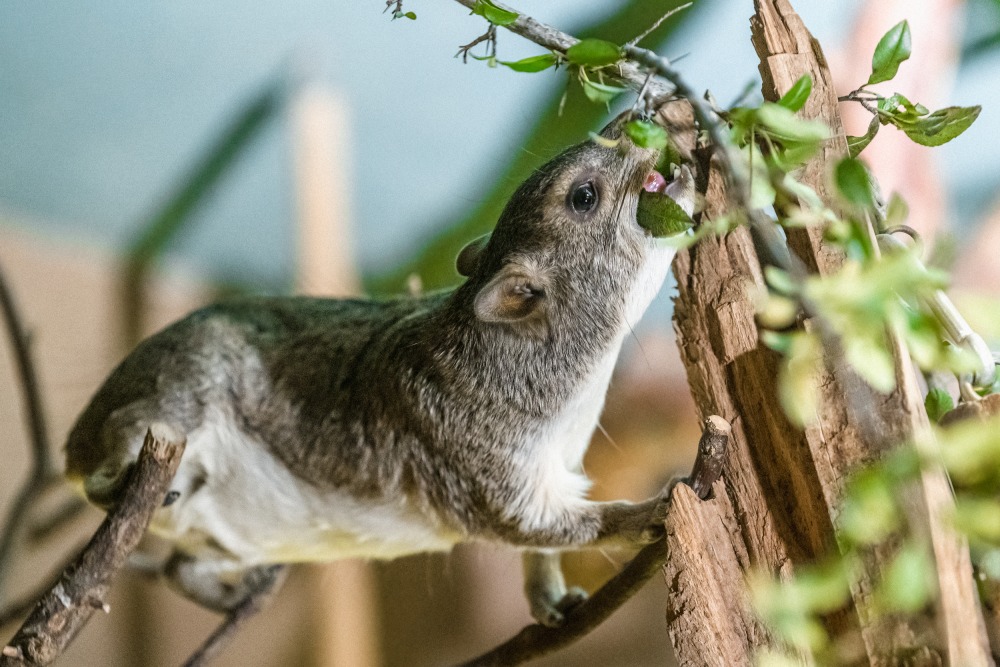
778 506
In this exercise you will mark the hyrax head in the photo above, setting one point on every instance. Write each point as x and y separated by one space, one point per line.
567 244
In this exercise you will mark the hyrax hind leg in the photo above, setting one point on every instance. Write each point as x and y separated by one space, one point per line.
545 588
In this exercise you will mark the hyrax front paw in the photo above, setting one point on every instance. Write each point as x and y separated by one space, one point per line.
644 525
552 612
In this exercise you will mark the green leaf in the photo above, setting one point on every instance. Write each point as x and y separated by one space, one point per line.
411 15
869 512
781 281
532 64
494 14
797 389
594 53
604 141
896 211
600 92
646 134
941 126
937 403
857 144
892 49
853 182
907 585
796 97
787 127
661 215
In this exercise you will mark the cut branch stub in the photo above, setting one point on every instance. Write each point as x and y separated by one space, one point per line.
83 586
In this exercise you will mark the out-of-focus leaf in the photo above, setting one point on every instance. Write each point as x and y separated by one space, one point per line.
594 53
604 141
896 211
797 95
869 512
979 518
600 92
892 49
797 386
786 126
646 134
907 585
937 403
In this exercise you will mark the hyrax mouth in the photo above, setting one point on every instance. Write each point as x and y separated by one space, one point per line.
665 207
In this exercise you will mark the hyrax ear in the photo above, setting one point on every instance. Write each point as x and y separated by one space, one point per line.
515 294
468 258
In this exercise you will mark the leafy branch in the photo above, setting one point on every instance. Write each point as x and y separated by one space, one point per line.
917 121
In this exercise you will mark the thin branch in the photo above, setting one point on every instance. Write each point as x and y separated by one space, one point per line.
41 460
537 640
84 585
555 40
265 589
490 37
645 33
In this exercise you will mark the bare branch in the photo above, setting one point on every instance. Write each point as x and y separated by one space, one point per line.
84 585
537 640
41 473
490 37
273 577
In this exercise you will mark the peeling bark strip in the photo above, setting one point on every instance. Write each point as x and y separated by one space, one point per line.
787 51
782 487
710 620
83 587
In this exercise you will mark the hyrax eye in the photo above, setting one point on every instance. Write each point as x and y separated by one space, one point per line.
583 197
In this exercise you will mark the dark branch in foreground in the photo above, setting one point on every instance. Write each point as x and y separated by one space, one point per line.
83 587
41 461
537 640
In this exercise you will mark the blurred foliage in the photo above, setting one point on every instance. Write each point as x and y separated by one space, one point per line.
175 215
879 291
435 262
982 14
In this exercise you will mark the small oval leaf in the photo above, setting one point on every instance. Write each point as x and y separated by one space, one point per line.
600 92
646 134
594 53
853 182
532 64
660 215
892 49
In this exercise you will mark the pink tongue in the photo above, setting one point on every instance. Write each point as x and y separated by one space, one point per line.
654 182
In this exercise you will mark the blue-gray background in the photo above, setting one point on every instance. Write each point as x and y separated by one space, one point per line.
103 106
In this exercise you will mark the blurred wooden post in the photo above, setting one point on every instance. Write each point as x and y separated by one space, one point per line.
345 630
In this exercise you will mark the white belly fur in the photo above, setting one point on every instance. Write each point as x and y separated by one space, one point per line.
554 486
256 510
